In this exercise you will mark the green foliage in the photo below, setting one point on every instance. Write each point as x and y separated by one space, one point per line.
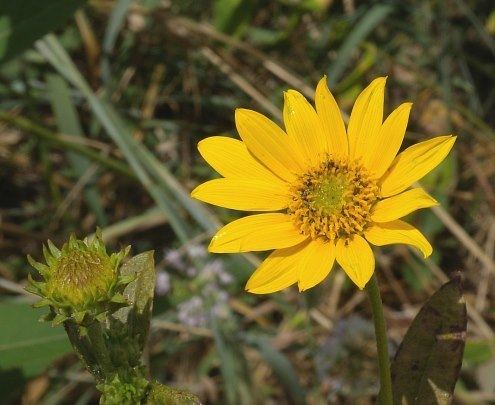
478 352
68 123
24 21
119 392
232 16
27 347
233 365
139 294
161 395
363 28
427 364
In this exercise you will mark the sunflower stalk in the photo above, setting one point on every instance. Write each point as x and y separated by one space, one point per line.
373 291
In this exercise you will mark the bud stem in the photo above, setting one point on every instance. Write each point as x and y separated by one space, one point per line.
99 347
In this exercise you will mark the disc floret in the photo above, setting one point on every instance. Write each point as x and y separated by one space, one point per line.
333 200
80 279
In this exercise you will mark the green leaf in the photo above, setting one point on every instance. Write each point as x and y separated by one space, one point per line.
139 293
374 16
265 37
478 352
24 21
427 364
232 16
26 344
115 23
160 394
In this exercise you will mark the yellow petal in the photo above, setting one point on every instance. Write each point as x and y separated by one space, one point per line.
398 231
366 118
412 164
256 233
267 142
356 258
402 204
304 126
331 118
230 158
383 148
278 271
243 194
316 264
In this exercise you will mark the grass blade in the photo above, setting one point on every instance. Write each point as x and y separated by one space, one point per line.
362 29
68 123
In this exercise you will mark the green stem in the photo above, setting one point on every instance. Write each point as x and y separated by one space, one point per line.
99 347
84 349
385 396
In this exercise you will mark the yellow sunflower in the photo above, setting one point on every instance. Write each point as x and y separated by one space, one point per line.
330 192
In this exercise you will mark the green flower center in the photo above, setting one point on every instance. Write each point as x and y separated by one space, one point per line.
333 200
329 196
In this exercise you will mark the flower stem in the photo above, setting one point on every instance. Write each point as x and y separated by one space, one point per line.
385 396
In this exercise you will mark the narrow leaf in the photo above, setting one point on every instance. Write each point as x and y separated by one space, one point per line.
374 16
68 122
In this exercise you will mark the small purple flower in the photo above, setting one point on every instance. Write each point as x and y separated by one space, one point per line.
162 283
173 258
215 271
196 251
192 312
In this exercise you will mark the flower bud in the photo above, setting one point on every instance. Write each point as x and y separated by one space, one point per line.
80 279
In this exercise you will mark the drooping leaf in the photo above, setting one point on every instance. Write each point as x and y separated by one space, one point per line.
24 21
427 364
27 347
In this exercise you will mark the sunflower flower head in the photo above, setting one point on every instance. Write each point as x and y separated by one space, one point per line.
323 191
79 279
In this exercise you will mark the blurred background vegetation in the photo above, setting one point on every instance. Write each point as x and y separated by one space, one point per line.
99 123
